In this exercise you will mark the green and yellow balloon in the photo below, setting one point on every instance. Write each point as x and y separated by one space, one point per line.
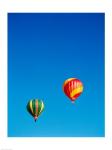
35 107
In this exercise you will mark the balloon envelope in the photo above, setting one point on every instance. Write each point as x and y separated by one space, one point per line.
35 107
73 88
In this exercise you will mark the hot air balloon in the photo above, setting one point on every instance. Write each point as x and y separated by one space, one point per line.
35 107
73 88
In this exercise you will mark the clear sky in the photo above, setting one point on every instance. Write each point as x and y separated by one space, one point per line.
45 49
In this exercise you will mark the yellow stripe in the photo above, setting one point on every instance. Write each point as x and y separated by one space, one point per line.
68 80
31 107
76 91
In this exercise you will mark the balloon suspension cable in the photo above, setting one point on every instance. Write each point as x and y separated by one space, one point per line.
72 102
35 118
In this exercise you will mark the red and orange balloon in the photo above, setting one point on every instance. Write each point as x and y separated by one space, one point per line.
73 88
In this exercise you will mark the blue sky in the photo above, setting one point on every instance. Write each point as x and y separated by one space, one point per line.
44 49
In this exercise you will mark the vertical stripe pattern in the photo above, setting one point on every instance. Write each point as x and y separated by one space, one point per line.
35 107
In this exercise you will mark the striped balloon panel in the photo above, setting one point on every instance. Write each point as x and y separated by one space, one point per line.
73 88
35 107
29 109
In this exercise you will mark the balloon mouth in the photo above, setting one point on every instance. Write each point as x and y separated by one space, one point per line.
73 100
35 118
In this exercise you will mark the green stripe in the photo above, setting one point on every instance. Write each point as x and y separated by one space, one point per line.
33 106
42 107
39 106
